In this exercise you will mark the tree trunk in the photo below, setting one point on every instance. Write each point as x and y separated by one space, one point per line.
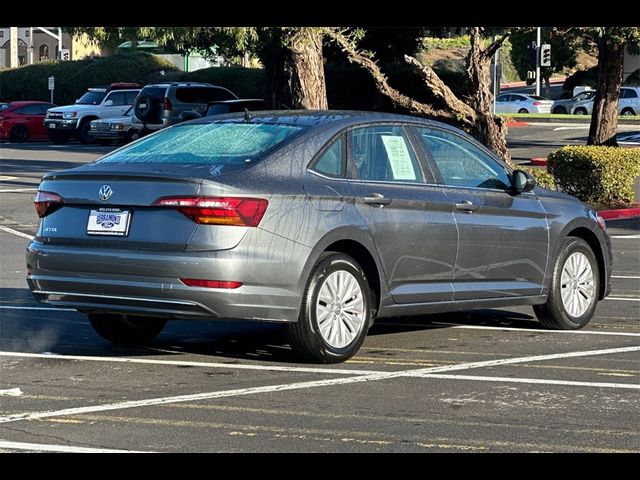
272 56
489 129
304 69
604 120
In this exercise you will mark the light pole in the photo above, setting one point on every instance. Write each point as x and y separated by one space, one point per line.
538 41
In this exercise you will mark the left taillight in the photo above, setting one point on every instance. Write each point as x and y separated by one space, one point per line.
236 211
45 202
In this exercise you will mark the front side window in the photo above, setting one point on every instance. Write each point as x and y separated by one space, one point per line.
461 163
210 143
382 153
330 163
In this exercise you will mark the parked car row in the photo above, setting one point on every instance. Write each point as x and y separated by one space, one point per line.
120 112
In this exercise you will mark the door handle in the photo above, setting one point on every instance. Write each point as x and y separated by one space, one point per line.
377 199
466 206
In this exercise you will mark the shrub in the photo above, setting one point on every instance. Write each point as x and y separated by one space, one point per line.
581 77
597 175
542 176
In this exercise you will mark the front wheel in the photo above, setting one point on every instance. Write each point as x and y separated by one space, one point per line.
523 110
574 288
580 111
126 329
336 311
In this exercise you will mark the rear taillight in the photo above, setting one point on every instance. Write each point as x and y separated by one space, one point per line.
196 282
45 202
166 104
537 103
245 212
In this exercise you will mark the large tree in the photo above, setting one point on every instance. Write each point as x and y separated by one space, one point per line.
611 42
473 114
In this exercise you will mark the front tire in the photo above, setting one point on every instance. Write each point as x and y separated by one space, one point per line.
83 132
19 134
336 311
574 288
125 329
523 110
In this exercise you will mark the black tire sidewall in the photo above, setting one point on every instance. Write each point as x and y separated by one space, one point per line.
323 269
83 132
523 110
19 133
571 246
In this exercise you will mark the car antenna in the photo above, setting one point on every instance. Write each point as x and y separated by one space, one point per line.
247 117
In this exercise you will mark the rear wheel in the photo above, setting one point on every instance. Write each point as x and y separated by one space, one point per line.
580 111
336 311
126 329
574 288
132 135
523 110
559 111
19 133
628 111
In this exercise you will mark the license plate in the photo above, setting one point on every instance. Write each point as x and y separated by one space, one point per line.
109 221
52 125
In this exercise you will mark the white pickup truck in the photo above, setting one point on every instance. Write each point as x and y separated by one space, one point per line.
98 102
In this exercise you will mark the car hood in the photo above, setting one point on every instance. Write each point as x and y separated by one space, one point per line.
72 108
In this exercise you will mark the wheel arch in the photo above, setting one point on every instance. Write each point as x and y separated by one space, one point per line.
591 239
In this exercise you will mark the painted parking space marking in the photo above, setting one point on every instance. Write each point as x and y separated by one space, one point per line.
626 276
10 392
635 235
624 299
40 447
515 329
19 190
15 232
4 178
376 376
46 309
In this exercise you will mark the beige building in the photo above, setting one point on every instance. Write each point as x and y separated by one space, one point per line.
44 46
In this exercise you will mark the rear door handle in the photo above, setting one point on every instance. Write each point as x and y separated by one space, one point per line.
466 206
377 199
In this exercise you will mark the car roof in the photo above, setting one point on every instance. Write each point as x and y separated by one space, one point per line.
181 84
22 103
315 118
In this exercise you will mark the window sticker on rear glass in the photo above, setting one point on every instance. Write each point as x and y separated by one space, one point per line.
399 157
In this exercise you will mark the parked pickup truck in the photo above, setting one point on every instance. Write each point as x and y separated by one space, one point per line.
98 102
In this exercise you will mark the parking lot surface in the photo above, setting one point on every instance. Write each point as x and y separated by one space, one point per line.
482 381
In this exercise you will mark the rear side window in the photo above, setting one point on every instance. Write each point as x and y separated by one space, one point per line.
213 143
155 92
32 110
202 94
382 153
330 163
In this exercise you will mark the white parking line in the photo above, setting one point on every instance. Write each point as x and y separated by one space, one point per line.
19 190
624 299
532 381
299 385
626 276
39 447
515 329
49 309
15 232
636 235
10 392
581 127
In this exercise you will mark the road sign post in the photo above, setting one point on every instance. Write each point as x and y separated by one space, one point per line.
52 86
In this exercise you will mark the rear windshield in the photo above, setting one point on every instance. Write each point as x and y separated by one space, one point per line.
155 92
537 97
213 143
202 94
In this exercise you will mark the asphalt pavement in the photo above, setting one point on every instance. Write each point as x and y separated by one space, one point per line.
482 381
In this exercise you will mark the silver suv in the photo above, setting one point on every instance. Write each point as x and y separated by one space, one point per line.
164 104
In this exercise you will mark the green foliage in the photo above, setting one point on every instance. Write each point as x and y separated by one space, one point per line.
633 79
596 174
73 78
580 78
542 176
563 52
433 43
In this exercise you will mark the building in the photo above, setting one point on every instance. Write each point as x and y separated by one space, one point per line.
44 46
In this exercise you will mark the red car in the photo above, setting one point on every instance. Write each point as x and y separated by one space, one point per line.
20 121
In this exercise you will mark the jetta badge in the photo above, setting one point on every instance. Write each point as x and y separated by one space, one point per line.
105 193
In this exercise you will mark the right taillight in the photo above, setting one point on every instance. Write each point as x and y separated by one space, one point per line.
166 104
237 211
45 202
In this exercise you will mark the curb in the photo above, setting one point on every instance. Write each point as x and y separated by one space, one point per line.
620 213
516 123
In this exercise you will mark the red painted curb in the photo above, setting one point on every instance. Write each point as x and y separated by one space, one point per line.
539 162
620 213
517 124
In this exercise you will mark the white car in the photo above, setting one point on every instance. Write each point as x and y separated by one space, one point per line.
628 103
522 103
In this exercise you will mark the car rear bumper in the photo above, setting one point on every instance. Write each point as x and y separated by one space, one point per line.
149 283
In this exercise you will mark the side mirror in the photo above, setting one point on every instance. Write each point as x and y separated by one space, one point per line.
108 103
522 182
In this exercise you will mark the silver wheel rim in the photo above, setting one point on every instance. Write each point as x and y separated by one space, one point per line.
576 284
340 309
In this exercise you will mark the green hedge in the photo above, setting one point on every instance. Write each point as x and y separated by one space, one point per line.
74 77
542 176
601 176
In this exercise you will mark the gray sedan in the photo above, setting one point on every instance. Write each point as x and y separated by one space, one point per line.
321 220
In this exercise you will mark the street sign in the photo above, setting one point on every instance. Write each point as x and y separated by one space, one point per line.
65 54
52 82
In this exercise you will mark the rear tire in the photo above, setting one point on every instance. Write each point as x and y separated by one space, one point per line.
336 311
83 132
574 288
580 111
124 329
559 111
627 111
19 134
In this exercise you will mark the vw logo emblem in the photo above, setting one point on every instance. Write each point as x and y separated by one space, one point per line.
105 193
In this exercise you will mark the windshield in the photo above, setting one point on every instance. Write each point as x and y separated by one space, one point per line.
91 98
212 143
